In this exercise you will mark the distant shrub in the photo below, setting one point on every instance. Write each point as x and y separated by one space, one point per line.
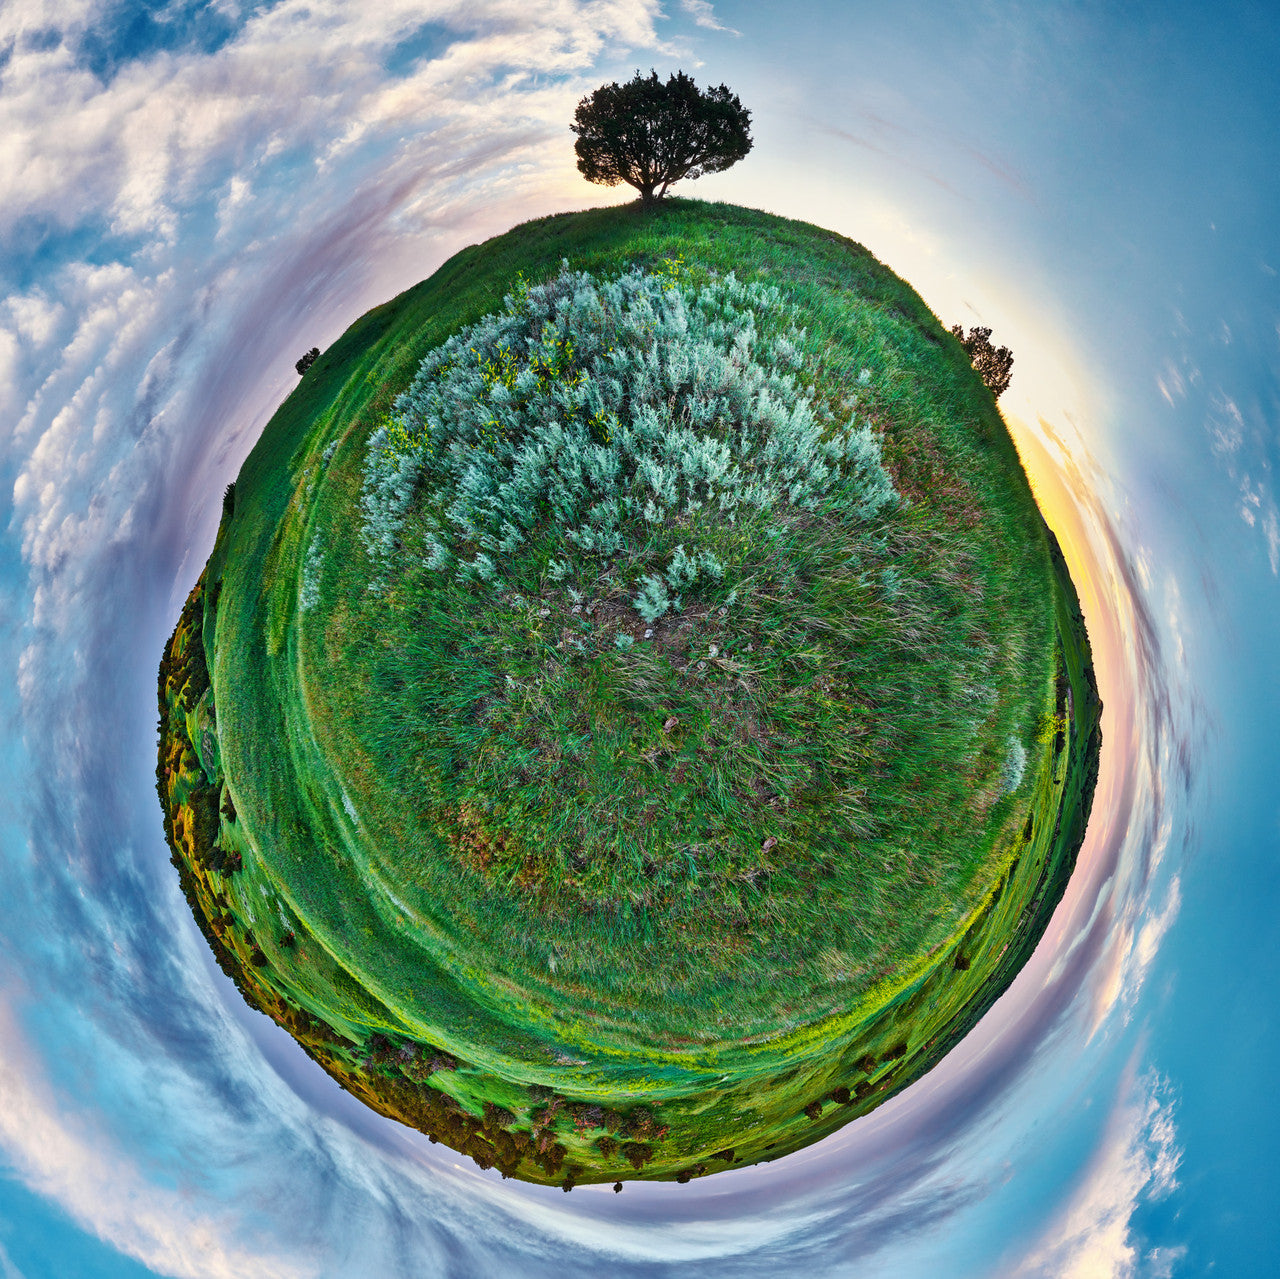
595 404
303 364
637 1154
204 809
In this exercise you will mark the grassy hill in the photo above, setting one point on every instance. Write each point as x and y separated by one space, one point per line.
679 771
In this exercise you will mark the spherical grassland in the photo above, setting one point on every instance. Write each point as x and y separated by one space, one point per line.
666 720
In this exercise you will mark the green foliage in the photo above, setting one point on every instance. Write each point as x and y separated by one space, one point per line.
650 134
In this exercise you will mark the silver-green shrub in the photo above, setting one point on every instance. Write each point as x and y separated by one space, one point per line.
1015 765
599 405
313 561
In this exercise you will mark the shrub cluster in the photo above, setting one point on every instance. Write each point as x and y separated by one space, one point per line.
587 406
312 563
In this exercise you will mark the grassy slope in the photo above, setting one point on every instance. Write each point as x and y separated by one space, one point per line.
311 916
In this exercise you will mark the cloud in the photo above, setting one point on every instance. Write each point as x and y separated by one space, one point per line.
63 1157
7 1269
703 14
1241 448
1136 1162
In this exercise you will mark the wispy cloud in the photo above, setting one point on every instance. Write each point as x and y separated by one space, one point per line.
1137 1161
1241 448
7 1269
703 14
65 1158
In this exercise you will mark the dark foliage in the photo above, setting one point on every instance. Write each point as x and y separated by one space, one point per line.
649 134
307 360
994 364
204 808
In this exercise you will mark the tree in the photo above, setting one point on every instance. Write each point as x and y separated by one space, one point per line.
994 364
307 360
650 134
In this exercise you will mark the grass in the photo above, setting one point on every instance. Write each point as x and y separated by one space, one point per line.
724 863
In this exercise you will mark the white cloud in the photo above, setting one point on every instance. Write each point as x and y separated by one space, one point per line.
138 150
1132 947
1271 530
1225 426
8 372
7 1269
1137 1161
703 14
1238 446
62 1156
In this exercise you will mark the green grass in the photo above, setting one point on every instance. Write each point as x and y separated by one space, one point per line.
470 822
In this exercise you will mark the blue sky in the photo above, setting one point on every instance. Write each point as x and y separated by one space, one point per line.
196 193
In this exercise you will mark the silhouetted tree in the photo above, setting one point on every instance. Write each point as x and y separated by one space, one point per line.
994 364
650 134
307 360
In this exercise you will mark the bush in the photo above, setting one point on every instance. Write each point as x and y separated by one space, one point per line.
590 406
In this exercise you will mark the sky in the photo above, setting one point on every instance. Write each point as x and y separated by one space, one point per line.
196 193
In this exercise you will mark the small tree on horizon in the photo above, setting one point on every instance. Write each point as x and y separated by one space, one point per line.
994 364
307 360
650 134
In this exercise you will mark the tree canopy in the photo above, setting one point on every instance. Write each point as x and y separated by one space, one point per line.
994 364
650 134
